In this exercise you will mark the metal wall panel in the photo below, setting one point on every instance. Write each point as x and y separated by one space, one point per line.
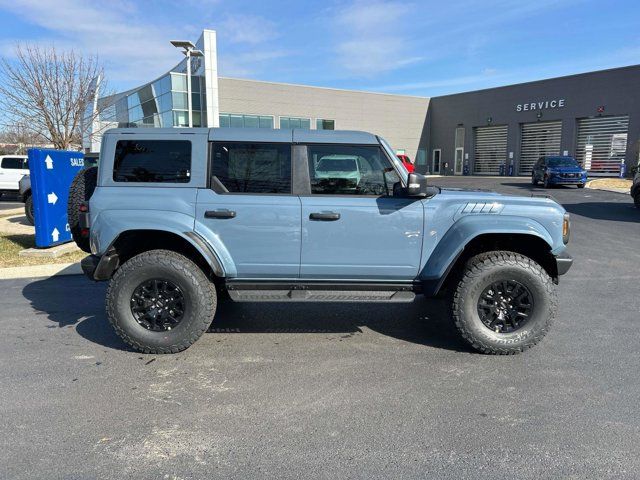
538 139
602 143
490 149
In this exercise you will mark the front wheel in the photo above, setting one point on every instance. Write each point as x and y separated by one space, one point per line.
504 303
546 183
533 180
581 185
160 302
636 200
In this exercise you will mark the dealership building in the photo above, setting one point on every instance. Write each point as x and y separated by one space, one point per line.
592 116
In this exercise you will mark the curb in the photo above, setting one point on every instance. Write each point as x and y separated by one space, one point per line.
36 271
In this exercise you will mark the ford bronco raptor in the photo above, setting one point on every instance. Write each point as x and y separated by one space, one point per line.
179 219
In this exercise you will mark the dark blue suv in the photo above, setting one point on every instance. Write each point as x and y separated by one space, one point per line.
557 170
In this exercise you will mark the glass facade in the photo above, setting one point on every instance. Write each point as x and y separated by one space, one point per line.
163 103
245 121
294 122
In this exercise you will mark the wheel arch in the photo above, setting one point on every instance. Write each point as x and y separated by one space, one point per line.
528 244
130 243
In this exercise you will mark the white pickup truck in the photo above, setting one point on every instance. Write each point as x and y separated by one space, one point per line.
12 169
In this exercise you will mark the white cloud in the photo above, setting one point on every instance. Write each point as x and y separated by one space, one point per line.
369 37
133 50
248 64
248 29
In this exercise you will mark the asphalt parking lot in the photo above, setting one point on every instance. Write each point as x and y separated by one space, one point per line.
334 391
9 201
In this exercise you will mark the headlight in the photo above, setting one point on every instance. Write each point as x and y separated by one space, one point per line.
566 228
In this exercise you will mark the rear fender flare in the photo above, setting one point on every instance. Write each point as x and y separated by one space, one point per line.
109 225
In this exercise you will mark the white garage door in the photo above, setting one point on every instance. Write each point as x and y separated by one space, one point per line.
490 149
602 143
538 139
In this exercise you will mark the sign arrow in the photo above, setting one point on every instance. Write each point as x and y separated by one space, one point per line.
52 198
55 234
49 163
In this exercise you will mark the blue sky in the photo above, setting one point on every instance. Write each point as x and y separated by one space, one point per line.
423 48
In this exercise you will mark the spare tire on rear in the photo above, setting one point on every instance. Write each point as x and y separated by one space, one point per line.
80 191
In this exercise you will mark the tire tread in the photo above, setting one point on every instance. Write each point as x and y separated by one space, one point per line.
474 268
206 298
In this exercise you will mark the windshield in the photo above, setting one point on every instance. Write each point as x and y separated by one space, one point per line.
402 170
337 165
562 162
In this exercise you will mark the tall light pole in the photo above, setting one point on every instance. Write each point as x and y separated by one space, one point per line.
189 50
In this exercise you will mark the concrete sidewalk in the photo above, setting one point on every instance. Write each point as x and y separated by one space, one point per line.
37 271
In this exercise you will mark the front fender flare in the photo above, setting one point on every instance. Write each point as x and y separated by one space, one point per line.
469 227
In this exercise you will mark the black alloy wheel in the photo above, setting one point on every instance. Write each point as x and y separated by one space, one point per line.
505 306
158 305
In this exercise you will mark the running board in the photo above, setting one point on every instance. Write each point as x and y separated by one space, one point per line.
270 292
320 296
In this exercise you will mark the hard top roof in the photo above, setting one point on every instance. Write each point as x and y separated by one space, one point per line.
260 134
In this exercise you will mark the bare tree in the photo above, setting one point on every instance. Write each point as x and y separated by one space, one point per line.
47 91
17 139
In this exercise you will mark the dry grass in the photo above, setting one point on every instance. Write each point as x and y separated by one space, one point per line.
11 244
622 183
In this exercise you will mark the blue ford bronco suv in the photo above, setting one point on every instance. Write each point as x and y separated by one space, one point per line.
181 219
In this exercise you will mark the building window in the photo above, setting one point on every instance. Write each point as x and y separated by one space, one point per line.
295 122
180 118
178 82
245 121
253 167
323 124
155 161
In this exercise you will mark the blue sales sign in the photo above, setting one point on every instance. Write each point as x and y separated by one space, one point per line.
52 172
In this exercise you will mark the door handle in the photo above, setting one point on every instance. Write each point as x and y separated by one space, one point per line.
219 214
325 216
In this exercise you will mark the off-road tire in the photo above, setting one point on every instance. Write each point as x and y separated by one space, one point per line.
28 210
200 301
479 272
81 189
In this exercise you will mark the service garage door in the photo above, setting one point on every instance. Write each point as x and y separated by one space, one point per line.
602 144
538 139
490 149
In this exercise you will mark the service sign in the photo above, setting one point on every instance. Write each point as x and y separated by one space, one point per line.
52 172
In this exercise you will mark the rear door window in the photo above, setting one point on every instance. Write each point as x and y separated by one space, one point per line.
238 167
152 161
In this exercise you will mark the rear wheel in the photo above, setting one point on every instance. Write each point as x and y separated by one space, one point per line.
80 191
504 303
160 302
28 210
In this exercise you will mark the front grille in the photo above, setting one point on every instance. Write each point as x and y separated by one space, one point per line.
569 175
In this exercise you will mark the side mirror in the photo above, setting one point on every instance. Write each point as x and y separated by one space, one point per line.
416 185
